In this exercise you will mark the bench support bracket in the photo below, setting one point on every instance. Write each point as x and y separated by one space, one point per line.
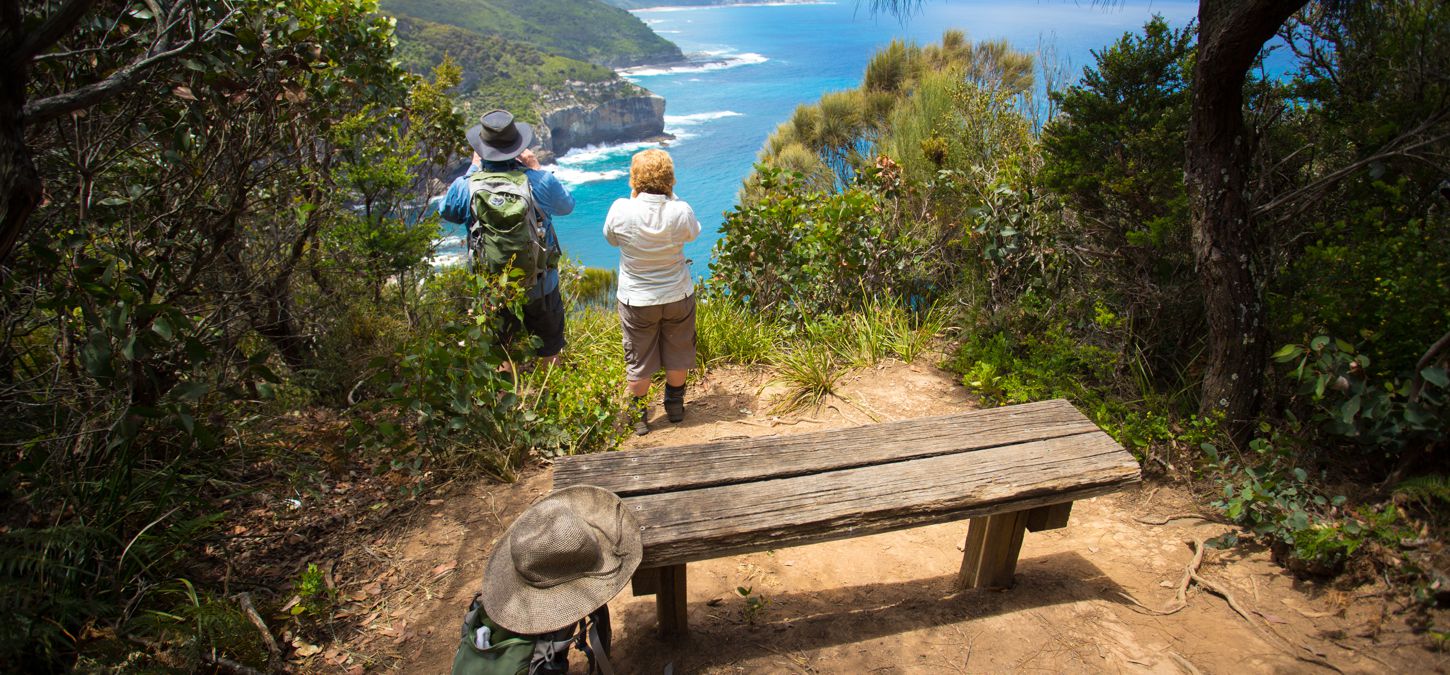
989 556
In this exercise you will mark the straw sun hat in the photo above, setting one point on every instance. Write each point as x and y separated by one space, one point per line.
560 560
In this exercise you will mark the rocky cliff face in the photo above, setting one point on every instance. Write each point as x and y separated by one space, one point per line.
598 113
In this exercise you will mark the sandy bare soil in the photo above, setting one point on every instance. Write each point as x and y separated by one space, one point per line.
885 603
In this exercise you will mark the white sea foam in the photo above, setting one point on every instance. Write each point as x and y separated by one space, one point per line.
593 153
698 118
449 242
691 8
449 259
571 177
705 65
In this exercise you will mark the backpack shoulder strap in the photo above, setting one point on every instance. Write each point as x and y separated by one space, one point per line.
600 653
593 640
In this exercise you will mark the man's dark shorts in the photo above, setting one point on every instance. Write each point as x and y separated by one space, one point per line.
543 317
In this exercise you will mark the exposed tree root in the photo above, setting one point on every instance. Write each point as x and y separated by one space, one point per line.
1191 576
274 652
1164 520
1185 664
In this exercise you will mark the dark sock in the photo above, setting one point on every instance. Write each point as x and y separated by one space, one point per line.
673 392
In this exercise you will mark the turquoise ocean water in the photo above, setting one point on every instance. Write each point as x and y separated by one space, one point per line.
755 64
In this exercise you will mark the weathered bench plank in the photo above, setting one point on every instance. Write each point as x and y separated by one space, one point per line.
1009 470
712 522
744 460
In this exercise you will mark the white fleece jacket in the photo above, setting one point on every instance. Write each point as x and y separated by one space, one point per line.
651 231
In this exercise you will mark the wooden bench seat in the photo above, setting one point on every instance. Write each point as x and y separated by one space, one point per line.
1007 469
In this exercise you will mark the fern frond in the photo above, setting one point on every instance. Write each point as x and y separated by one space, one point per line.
1425 489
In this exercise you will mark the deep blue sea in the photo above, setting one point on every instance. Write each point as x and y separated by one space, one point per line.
755 64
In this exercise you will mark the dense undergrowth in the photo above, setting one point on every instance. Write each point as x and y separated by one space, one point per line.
227 306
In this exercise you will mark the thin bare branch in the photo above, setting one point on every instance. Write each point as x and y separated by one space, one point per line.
50 31
46 109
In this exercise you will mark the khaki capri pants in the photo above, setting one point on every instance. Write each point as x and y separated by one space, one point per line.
658 336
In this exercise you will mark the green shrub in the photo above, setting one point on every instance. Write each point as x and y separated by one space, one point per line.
573 408
799 252
1384 416
445 395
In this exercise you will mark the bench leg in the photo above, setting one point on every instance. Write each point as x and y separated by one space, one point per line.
670 602
990 554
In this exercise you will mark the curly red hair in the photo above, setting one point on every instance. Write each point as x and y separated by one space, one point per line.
652 171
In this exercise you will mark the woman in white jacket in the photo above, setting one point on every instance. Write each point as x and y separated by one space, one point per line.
656 293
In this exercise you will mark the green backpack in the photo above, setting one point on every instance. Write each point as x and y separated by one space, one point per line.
508 229
507 653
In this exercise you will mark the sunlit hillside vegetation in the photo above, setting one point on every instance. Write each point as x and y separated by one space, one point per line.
584 30
496 72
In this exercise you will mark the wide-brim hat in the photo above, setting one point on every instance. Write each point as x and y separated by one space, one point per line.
497 137
565 557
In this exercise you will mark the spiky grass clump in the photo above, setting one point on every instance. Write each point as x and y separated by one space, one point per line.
881 329
810 375
726 331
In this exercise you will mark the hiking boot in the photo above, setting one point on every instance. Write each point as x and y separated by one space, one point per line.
675 402
640 412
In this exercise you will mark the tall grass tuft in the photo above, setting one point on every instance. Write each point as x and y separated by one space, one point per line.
588 286
883 328
726 331
809 374
912 333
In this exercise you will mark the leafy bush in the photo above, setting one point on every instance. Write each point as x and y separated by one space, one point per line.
800 252
575 406
1384 416
446 396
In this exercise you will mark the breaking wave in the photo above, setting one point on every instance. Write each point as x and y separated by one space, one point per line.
702 63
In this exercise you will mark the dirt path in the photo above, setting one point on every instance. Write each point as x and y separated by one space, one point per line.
885 604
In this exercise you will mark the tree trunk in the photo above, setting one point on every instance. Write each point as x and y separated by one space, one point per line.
1231 33
19 183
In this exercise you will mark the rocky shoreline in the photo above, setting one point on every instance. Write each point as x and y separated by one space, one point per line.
597 113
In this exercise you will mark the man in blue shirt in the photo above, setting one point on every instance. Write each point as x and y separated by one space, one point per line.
501 144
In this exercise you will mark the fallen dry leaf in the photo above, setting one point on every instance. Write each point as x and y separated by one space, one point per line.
304 649
444 568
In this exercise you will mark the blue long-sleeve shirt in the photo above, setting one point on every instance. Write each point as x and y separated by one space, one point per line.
550 196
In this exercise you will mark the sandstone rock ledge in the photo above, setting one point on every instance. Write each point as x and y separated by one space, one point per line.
599 113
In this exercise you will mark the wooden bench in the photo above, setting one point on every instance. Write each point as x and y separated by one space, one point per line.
1008 469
